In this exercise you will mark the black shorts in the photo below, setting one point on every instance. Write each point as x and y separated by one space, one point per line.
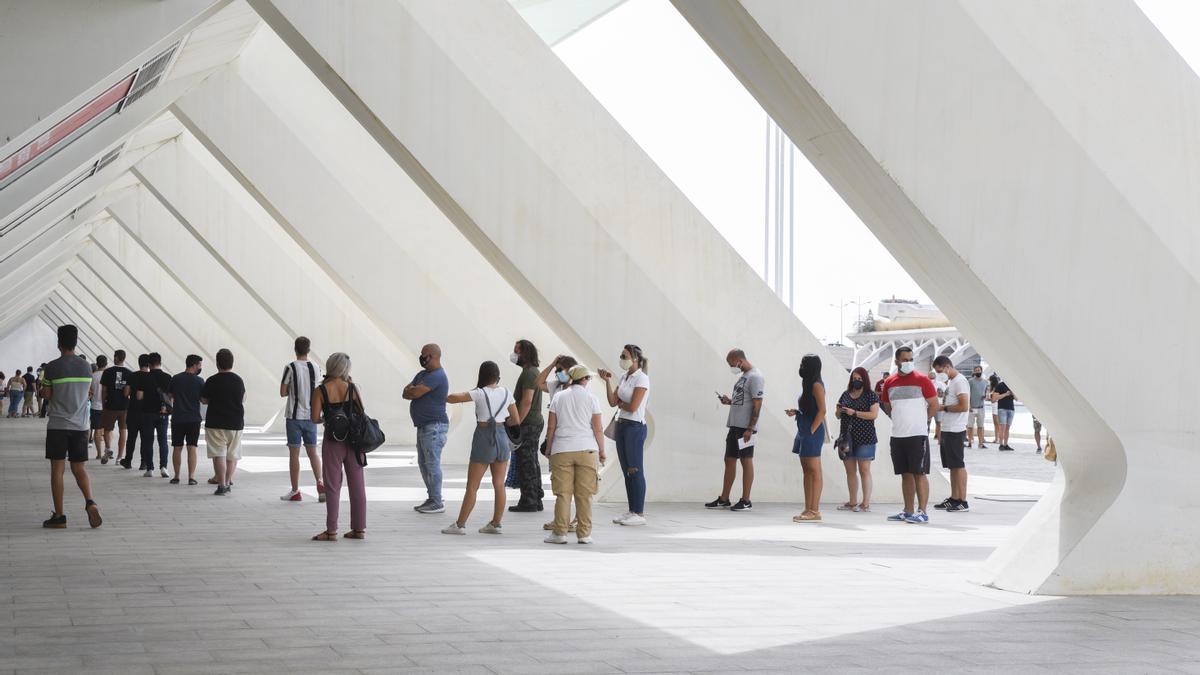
185 433
732 451
97 422
67 444
952 446
910 455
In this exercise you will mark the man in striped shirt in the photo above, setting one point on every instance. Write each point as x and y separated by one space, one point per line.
66 383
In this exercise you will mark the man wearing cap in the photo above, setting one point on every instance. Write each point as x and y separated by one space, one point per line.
66 383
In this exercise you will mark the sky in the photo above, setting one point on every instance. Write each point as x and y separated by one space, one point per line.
659 79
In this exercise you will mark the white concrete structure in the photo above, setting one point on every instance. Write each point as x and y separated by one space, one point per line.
993 158
379 174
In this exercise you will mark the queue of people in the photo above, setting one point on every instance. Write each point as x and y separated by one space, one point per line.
86 407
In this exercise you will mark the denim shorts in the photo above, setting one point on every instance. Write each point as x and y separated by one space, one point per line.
301 431
863 452
1005 417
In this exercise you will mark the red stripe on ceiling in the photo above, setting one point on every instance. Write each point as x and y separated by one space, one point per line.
65 128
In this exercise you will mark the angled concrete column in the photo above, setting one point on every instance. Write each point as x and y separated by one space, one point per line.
114 283
562 202
288 285
102 334
90 339
276 130
1033 168
112 326
161 239
127 324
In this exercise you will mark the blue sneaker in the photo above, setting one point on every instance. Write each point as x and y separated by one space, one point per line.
900 517
918 518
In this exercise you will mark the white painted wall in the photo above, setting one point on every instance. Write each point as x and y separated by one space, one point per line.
30 344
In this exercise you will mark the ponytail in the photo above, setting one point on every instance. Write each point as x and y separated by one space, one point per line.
636 352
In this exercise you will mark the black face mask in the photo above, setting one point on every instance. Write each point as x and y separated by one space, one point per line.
856 385
978 375
423 360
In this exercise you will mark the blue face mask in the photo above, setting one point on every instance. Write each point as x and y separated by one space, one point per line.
562 377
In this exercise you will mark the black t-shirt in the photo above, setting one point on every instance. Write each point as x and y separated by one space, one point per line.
150 385
224 393
1006 403
30 379
114 380
136 381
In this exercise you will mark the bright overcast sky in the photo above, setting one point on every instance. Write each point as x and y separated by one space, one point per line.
684 107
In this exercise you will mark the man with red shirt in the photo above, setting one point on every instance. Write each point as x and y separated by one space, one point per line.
910 399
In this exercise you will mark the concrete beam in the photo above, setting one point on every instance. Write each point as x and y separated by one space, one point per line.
157 239
271 267
993 160
567 209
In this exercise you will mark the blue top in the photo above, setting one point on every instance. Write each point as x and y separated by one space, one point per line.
430 408
185 388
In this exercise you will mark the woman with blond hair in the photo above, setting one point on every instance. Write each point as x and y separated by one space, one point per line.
331 406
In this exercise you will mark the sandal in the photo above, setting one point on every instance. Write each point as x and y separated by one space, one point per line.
848 507
325 536
862 508
355 534
192 481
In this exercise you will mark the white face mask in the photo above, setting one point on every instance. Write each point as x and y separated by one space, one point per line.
625 364
942 377
735 370
562 376
906 367
514 358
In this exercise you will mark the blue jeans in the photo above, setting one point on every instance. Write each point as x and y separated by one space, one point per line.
631 445
431 438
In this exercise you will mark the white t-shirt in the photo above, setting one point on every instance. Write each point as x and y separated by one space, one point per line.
573 408
955 421
97 391
625 391
498 397
299 409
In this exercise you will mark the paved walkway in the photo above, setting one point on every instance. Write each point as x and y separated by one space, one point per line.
180 581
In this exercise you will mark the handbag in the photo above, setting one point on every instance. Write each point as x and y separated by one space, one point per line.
364 434
610 431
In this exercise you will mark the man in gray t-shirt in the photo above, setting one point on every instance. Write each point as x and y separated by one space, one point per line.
744 408
975 417
66 383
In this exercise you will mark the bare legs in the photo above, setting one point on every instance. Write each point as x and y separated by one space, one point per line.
475 473
731 473
177 456
864 472
916 489
314 462
852 481
958 484
57 467
813 483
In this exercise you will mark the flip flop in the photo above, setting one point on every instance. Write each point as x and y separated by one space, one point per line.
325 536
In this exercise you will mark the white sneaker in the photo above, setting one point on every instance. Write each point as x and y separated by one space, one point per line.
292 496
555 538
163 473
585 540
634 519
149 473
491 528
621 518
454 528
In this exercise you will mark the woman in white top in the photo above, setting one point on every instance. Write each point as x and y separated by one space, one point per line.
630 398
574 437
494 409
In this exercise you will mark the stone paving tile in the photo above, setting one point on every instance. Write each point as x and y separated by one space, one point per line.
180 582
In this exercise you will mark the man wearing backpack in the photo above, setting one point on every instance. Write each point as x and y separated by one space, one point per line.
300 377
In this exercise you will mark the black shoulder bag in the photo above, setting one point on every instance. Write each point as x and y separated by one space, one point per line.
365 434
